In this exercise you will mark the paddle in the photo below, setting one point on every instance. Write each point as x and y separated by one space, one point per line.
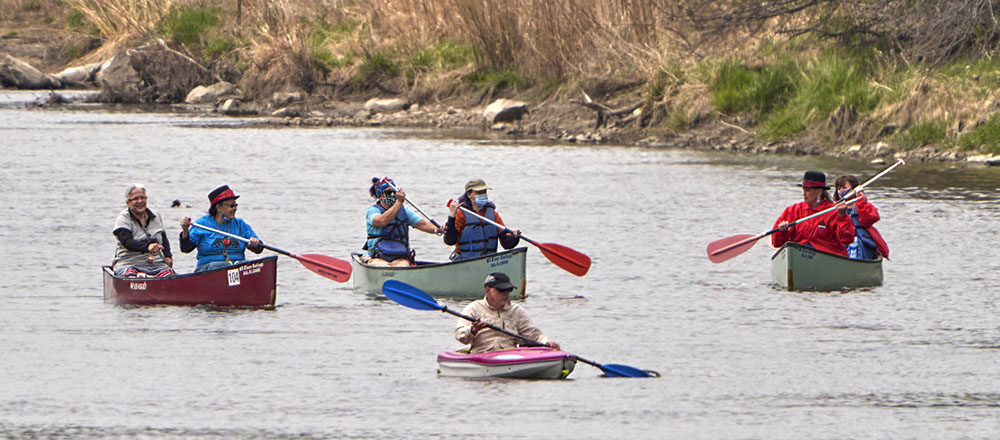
729 247
414 298
332 268
567 258
394 188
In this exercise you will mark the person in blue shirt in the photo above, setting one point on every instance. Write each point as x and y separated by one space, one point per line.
217 251
389 223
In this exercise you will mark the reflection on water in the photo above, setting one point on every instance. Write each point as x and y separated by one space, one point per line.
739 359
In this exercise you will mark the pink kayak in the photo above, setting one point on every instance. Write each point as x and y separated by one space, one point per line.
521 363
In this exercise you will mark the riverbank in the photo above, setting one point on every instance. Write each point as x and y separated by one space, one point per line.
295 66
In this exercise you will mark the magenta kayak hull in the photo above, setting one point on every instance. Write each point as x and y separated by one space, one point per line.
520 363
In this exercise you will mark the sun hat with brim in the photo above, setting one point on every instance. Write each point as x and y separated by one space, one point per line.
476 185
814 179
221 194
499 281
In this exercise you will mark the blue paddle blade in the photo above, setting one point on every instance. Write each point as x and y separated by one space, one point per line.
409 296
618 370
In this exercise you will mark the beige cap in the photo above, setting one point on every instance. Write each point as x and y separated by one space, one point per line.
476 185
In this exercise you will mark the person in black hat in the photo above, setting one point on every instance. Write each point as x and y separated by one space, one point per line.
831 232
217 251
495 308
471 236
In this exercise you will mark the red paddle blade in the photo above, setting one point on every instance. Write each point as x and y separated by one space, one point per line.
571 260
332 268
718 253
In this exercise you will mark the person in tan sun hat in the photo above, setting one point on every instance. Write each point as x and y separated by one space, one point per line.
471 236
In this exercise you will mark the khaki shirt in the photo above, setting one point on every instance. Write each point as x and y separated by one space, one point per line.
511 317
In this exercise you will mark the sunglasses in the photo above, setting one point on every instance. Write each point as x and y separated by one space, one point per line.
133 199
230 205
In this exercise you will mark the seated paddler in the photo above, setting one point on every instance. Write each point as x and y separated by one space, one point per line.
388 222
217 251
831 232
143 249
496 308
471 235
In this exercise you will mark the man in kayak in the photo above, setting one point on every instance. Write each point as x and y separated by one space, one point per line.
829 233
143 249
496 309
389 222
472 236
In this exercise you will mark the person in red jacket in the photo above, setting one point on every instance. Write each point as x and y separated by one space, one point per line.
868 243
831 232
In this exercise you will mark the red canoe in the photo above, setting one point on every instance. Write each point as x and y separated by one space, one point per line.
248 284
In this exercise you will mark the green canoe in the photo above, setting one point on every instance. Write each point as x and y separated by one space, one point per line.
453 279
799 267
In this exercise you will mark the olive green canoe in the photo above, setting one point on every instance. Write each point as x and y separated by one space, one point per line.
452 279
799 267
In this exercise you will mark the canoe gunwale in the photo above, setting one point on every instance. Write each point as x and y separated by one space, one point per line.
797 267
448 279
249 284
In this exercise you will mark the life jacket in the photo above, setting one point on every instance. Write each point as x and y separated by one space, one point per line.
864 247
478 237
394 241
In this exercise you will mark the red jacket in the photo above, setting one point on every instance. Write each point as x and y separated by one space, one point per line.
829 232
867 216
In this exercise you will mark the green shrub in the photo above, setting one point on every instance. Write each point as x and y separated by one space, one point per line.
12 33
49 20
217 47
75 19
376 65
32 6
921 134
187 25
832 80
74 51
738 89
985 137
443 56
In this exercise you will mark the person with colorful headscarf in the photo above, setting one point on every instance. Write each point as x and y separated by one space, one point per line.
388 223
471 236
143 249
831 232
216 251
868 242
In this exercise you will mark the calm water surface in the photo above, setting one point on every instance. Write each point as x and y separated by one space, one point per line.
916 358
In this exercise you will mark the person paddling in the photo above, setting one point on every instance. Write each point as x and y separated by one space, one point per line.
143 249
495 308
829 233
868 242
472 236
388 222
217 251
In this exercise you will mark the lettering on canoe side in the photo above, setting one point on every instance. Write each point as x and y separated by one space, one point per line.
137 286
499 260
234 277
250 269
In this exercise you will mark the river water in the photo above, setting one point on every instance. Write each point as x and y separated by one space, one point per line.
916 358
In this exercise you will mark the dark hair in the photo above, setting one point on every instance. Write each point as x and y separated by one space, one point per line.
847 178
375 184
212 210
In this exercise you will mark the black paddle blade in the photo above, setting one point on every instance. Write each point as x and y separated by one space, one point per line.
409 296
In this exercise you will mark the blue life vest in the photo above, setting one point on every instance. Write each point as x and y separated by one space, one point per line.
478 237
864 246
394 241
